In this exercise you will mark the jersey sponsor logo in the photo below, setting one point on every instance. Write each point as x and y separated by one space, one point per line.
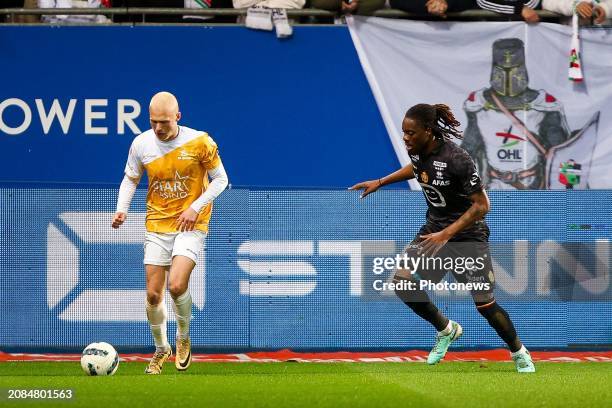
475 179
433 195
475 278
171 188
439 165
424 177
439 174
184 155
441 182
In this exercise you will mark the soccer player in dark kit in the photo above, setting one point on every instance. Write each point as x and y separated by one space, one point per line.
457 205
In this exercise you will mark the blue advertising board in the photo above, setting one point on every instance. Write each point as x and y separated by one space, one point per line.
293 269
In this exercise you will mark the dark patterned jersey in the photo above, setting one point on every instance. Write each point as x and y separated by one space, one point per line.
448 176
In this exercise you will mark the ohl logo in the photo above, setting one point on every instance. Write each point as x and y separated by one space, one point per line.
506 153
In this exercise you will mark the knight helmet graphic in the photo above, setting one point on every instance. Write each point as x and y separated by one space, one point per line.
509 74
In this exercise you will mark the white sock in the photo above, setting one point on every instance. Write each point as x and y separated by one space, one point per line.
447 330
182 310
259 18
157 316
281 23
522 350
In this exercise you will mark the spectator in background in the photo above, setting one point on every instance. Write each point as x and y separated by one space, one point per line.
10 4
280 4
73 18
269 14
149 18
361 7
597 11
206 4
437 8
524 8
21 18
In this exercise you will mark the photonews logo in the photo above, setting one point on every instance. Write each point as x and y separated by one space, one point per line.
69 293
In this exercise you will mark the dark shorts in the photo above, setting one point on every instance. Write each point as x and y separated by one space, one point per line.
477 232
468 259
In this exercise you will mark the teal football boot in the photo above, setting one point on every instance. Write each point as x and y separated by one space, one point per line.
523 362
439 350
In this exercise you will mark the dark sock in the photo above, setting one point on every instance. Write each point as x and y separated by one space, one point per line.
498 319
429 312
419 302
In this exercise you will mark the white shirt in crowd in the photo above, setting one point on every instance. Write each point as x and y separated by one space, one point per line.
566 7
68 18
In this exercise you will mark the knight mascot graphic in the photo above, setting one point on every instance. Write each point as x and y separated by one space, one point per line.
518 136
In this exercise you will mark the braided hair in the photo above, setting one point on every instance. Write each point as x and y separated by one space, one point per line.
438 118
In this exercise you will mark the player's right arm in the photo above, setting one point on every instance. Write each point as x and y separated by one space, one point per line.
126 192
370 186
133 172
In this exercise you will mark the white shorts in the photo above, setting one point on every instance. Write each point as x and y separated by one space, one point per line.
160 248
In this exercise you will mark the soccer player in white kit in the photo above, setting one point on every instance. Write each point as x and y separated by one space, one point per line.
178 161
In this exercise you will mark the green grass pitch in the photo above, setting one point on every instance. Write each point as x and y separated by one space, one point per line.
397 385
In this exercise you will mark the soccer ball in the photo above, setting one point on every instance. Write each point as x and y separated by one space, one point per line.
99 359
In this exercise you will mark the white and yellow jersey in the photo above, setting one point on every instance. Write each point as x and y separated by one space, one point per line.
177 172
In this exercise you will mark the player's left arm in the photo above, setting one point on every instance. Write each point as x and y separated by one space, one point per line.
211 161
477 211
218 183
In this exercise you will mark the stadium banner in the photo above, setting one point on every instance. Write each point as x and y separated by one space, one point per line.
298 269
525 123
69 115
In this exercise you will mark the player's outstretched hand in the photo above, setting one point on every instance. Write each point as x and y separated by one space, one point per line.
118 219
187 220
368 187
